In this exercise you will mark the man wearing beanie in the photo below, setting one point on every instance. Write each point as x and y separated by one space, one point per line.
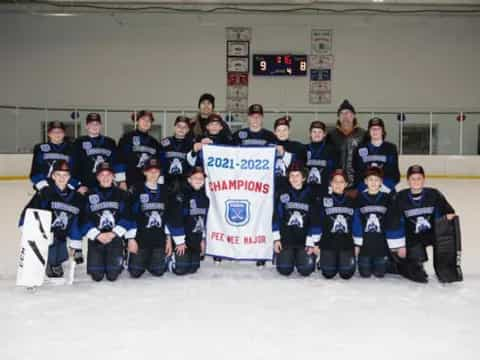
346 137
206 107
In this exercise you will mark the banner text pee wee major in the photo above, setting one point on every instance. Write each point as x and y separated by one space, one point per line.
240 187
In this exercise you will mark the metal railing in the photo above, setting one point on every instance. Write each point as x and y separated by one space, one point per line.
414 132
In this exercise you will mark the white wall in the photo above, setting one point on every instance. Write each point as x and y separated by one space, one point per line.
382 62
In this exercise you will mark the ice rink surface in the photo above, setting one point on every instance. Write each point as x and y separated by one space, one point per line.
235 311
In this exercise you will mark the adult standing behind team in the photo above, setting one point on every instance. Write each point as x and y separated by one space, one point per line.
346 137
206 107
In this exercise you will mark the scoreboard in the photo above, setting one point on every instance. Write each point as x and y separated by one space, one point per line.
280 65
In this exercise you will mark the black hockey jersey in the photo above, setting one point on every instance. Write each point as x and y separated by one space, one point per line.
373 225
292 217
44 156
322 159
175 152
246 137
106 210
384 156
155 216
65 207
134 149
417 214
194 205
88 153
335 219
293 152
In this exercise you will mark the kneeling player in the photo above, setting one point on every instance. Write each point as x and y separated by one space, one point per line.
194 204
418 208
107 221
154 218
373 234
65 205
293 233
336 217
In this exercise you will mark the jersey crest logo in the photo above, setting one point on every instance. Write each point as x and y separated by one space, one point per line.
176 167
242 135
296 219
86 145
193 204
327 202
144 198
422 225
237 212
45 147
94 199
154 220
98 160
165 142
309 155
314 176
61 221
373 224
284 198
107 220
340 225
363 152
136 140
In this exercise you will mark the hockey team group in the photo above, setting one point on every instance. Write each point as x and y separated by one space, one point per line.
141 204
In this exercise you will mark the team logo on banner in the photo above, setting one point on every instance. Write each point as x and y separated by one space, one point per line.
237 212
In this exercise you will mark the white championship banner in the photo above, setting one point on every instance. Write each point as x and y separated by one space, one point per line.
240 187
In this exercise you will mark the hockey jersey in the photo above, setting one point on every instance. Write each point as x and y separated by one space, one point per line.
194 205
44 156
417 214
373 225
154 217
65 207
106 210
246 137
134 149
175 152
322 159
335 219
88 153
292 217
384 156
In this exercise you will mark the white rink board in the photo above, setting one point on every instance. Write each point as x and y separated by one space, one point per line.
259 315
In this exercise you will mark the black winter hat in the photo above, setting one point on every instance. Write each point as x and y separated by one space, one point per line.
61 165
345 105
208 97
415 169
55 125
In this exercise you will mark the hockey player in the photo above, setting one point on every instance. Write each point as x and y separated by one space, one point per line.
194 204
91 150
322 159
65 205
175 149
255 134
293 233
46 154
206 106
213 135
419 207
107 221
335 218
373 231
376 152
346 137
134 149
155 217
293 150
